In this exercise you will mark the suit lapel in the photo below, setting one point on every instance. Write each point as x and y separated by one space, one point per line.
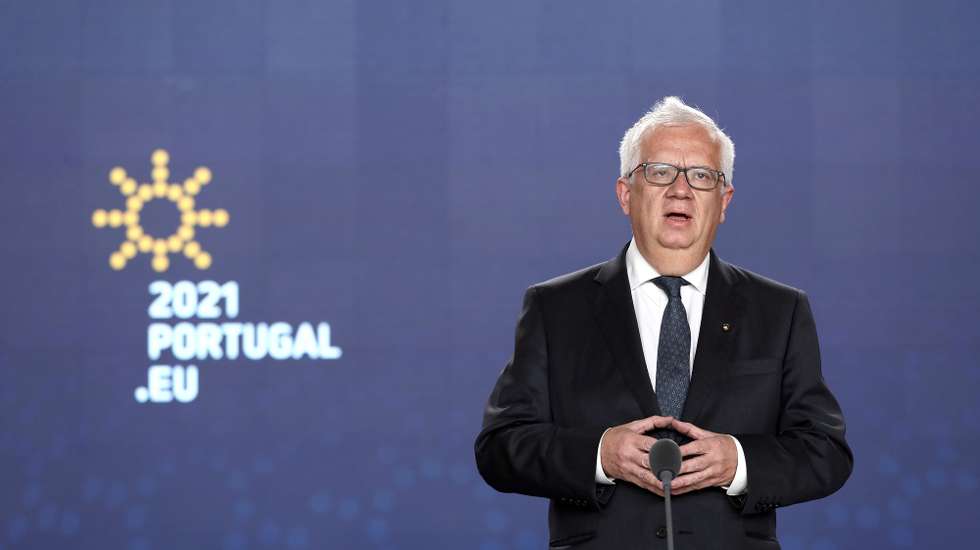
718 327
617 321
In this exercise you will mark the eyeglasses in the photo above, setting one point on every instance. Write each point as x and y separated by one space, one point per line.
662 175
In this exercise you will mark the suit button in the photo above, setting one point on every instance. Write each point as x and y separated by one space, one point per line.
661 532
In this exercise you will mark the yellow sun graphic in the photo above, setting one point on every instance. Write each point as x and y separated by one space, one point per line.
139 194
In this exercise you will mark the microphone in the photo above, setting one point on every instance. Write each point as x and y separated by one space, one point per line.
665 462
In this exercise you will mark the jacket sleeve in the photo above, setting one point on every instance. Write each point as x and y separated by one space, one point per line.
808 458
520 448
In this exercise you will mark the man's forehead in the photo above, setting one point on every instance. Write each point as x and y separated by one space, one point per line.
689 139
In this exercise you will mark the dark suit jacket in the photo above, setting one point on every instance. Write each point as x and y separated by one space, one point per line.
578 368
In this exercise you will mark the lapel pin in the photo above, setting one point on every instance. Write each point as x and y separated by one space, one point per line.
725 327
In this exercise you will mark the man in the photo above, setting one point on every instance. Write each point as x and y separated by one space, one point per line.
665 340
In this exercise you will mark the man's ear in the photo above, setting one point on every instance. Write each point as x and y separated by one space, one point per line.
623 194
726 198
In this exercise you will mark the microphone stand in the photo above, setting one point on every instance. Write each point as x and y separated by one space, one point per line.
668 476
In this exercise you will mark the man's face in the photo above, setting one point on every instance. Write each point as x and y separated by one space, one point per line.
676 217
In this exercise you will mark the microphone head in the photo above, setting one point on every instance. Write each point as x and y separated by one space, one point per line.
665 456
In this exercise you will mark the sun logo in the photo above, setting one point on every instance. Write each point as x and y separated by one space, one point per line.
137 240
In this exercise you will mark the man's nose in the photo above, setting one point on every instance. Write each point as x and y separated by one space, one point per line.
680 189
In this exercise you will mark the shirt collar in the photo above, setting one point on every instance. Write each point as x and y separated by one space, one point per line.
639 271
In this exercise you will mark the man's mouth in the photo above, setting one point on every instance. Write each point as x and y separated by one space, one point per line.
678 216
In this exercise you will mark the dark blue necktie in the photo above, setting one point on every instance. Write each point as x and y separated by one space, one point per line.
673 351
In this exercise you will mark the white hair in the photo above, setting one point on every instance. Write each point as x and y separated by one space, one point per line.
672 111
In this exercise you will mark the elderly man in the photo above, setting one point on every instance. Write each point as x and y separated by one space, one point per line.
665 340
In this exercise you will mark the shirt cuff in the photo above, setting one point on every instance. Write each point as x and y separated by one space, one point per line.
740 482
600 475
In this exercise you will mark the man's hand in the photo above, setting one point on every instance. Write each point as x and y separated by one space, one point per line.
625 452
709 461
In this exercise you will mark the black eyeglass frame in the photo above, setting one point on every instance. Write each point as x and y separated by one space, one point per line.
718 173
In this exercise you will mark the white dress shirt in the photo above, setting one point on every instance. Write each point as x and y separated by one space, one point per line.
649 303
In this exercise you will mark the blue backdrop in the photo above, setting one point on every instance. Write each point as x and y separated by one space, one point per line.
383 180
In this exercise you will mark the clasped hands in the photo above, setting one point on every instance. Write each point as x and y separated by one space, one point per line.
710 460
